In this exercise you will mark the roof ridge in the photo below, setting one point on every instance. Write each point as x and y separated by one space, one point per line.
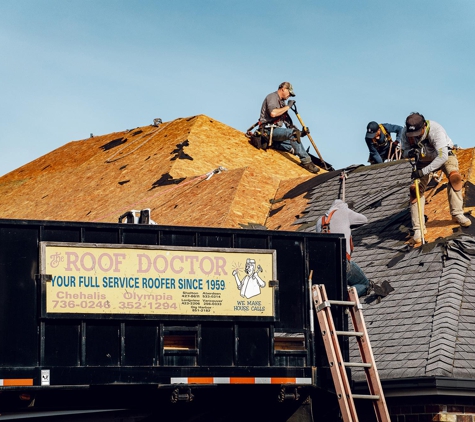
226 217
445 322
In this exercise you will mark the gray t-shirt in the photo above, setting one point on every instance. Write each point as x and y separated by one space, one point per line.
271 102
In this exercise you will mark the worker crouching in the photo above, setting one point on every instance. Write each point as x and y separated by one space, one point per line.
427 143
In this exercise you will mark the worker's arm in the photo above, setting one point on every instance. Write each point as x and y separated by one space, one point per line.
356 219
438 162
440 141
394 129
276 112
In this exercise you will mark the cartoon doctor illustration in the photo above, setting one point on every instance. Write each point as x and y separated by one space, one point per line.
251 283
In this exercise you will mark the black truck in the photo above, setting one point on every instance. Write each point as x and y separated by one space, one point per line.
139 322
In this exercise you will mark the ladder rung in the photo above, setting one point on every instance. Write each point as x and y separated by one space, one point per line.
358 364
342 302
366 396
350 333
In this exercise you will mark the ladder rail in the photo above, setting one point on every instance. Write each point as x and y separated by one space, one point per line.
335 357
366 352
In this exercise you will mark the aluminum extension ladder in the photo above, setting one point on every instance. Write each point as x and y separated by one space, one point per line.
335 357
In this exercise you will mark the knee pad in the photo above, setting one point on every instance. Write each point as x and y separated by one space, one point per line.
455 179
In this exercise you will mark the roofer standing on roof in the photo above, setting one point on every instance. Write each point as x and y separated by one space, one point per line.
379 142
427 142
342 218
276 122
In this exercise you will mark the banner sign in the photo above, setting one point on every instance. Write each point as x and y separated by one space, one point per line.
157 280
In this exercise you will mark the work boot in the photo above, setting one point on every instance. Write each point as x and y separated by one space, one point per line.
378 290
312 168
375 289
462 220
417 235
387 287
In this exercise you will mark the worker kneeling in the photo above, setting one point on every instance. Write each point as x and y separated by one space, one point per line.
277 125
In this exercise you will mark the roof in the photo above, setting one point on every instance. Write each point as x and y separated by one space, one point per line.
190 171
424 328
199 172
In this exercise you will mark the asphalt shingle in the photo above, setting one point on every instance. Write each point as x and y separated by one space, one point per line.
422 327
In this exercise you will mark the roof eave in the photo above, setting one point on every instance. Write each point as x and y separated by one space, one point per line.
423 386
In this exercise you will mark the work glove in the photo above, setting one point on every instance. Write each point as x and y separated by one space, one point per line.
290 103
304 132
417 174
413 153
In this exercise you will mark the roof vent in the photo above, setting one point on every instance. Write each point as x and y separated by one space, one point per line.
137 217
157 122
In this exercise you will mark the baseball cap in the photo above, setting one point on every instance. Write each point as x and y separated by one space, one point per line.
291 90
288 85
415 124
371 130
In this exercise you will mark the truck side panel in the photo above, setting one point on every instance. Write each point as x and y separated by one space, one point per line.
39 352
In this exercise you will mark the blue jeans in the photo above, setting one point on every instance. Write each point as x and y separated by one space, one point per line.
283 139
355 277
377 156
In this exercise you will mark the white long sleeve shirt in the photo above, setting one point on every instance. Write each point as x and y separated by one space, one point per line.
436 146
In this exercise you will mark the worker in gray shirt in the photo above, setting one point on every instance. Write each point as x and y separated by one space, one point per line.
339 219
276 123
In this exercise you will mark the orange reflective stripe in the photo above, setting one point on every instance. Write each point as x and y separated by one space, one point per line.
16 382
240 380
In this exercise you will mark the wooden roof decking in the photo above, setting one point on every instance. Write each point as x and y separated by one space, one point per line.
163 168
294 196
439 221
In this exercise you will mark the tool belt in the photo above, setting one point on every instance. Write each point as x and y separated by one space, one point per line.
296 134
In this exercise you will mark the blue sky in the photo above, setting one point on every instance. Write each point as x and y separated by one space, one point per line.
75 67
